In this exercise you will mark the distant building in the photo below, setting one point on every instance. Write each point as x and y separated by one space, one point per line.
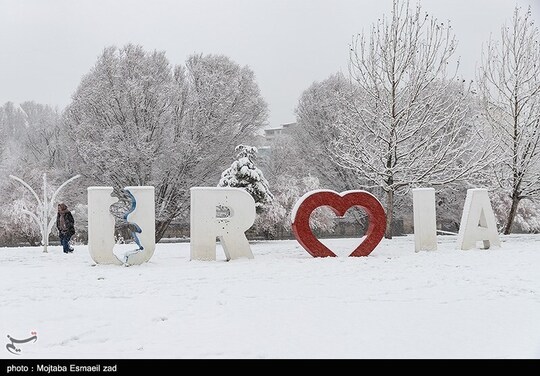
271 133
288 126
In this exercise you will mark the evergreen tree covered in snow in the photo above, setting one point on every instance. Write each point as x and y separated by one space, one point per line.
244 174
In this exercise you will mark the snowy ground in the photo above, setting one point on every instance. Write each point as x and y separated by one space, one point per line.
283 304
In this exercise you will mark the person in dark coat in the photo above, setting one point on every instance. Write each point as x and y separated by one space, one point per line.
66 226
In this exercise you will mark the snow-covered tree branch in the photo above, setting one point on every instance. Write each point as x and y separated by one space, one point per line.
409 122
135 120
510 85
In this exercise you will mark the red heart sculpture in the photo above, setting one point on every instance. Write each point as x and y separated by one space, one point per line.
339 203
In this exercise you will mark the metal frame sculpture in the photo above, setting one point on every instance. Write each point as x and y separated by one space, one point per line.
45 215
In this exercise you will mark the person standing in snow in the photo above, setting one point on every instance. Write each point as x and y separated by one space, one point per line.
66 226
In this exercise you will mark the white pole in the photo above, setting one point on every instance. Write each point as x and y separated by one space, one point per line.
45 218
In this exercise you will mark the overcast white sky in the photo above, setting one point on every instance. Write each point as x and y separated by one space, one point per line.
47 45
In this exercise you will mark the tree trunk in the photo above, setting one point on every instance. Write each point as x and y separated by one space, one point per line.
389 213
512 214
161 227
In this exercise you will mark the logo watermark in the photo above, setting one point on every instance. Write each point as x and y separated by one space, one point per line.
12 348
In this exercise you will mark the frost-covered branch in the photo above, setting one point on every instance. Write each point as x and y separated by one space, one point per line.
509 80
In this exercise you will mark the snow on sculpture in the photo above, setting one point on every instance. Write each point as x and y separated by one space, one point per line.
339 203
477 221
206 225
424 216
101 225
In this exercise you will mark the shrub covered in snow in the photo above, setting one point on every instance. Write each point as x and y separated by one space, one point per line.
244 174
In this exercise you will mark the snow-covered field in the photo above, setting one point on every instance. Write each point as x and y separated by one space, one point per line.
394 303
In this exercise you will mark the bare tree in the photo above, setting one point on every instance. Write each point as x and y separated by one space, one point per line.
39 141
134 120
318 116
217 105
409 122
32 147
510 84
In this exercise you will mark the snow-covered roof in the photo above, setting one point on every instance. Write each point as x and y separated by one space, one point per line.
287 125
273 129
280 127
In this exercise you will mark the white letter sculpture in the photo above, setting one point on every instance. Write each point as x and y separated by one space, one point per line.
424 214
477 221
206 226
101 225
